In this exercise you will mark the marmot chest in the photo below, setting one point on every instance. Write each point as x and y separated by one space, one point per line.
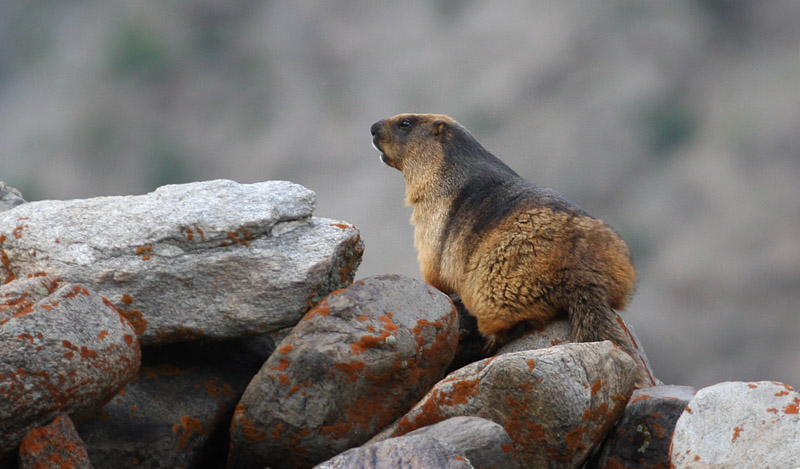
438 258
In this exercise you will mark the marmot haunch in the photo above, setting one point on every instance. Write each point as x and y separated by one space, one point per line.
512 250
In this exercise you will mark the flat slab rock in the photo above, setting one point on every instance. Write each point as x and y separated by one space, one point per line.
556 403
739 424
212 259
356 362
558 331
64 349
468 442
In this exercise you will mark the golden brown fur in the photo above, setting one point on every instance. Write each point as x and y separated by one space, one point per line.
512 250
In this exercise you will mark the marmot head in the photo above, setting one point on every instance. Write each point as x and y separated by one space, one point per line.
412 142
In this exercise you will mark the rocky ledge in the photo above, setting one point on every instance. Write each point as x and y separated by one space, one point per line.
217 324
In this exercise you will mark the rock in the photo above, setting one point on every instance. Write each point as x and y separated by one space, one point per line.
556 403
54 445
554 333
9 197
213 259
557 332
356 362
469 442
739 424
642 436
472 346
65 350
176 413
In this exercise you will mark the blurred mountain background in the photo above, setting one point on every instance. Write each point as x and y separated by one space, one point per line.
677 122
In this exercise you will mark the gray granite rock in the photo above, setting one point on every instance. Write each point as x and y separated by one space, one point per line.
56 445
356 362
213 259
470 442
64 349
739 424
555 403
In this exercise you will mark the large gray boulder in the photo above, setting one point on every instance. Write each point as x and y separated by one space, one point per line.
64 349
356 362
739 424
555 403
213 259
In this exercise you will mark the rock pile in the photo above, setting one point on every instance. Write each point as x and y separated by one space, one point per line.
217 324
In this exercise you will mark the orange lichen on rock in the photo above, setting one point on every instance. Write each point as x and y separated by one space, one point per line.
215 390
181 333
322 309
240 236
367 342
144 251
18 231
135 317
351 369
430 413
598 384
6 262
793 408
54 445
189 426
252 433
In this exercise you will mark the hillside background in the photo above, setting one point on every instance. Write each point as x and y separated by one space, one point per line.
677 122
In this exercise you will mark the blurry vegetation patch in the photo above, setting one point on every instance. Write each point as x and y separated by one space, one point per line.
139 50
668 124
728 14
451 9
166 163
25 35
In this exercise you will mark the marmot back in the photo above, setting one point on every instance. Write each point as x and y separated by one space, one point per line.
512 250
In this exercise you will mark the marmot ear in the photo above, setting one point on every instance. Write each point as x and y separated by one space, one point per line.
440 129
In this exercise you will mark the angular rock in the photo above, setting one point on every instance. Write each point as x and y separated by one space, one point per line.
472 346
65 350
557 332
556 403
9 197
470 442
642 436
356 362
739 424
213 259
177 411
54 445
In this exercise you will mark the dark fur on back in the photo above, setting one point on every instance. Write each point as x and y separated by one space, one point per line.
489 190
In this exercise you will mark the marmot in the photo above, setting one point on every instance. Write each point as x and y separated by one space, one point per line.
512 250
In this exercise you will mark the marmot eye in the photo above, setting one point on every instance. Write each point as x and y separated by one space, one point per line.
405 123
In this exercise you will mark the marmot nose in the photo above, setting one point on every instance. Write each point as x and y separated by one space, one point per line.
375 127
